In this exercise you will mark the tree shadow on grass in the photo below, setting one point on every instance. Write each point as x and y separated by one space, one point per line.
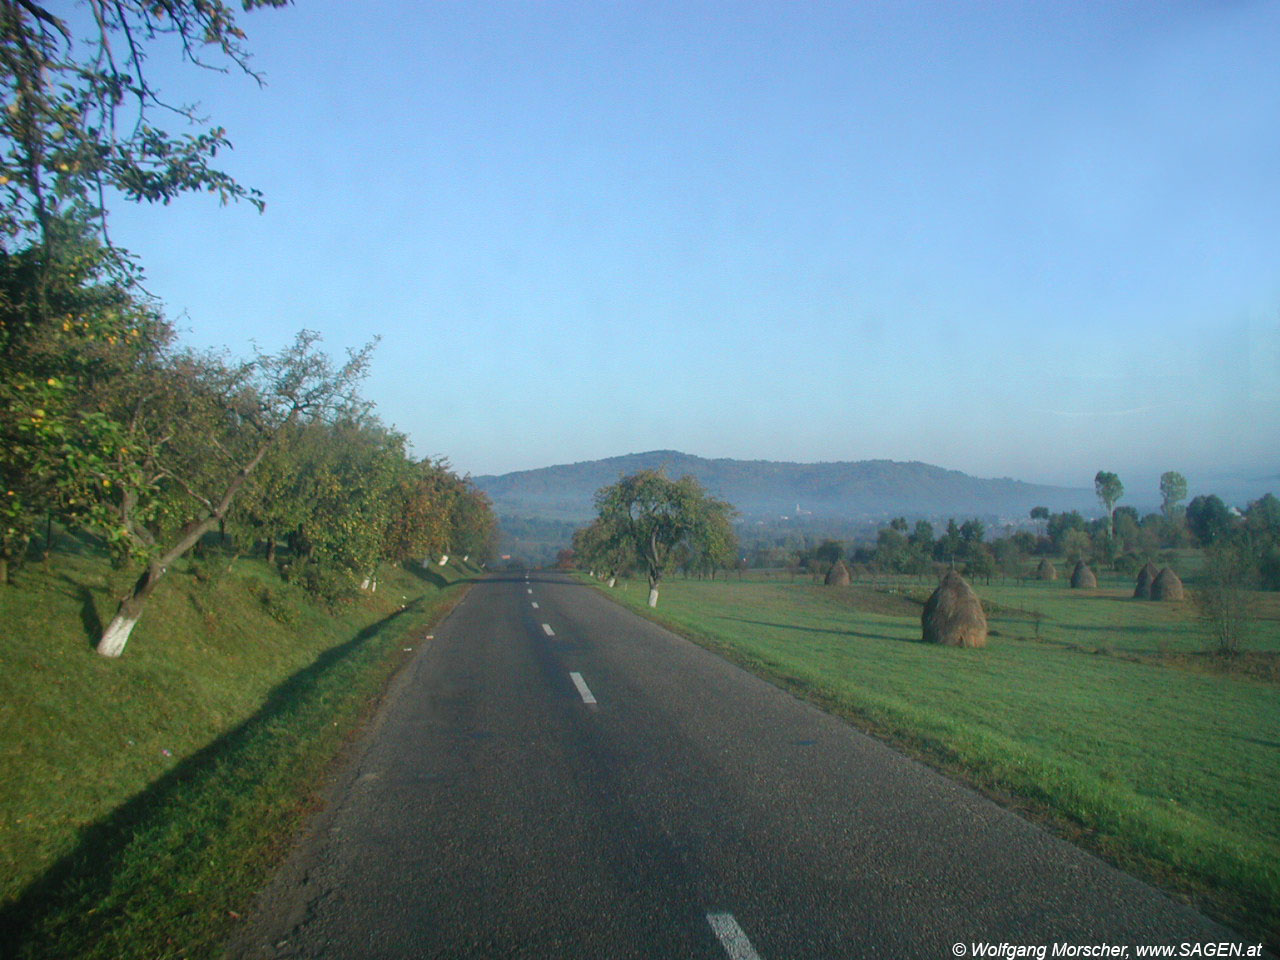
89 614
125 863
861 635
427 575
89 618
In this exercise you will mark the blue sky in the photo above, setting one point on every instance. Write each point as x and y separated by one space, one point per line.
1032 240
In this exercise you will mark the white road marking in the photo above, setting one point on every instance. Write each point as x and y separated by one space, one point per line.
734 941
546 628
529 591
583 689
534 604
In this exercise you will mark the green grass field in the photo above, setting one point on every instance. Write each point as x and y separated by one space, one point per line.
145 799
1112 724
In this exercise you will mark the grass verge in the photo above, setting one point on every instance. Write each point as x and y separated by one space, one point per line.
148 798
1171 773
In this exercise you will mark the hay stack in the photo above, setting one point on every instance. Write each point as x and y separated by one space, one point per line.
1166 586
1082 578
1146 577
838 575
953 615
1046 570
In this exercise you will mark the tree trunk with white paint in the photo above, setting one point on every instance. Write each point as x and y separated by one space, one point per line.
114 638
653 596
116 635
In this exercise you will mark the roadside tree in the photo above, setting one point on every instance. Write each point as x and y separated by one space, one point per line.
83 117
605 550
658 517
196 432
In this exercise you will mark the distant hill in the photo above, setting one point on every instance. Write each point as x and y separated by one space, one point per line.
865 489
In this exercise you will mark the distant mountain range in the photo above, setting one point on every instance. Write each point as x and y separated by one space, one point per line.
859 490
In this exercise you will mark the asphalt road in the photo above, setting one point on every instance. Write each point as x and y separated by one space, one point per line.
691 810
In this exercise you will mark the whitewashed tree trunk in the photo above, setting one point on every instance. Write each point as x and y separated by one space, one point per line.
444 559
116 635
365 584
613 582
653 596
114 638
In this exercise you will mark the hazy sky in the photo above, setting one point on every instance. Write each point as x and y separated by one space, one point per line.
1013 239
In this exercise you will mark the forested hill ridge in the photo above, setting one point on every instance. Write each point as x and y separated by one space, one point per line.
864 489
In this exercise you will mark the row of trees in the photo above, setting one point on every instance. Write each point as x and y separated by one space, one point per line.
105 423
654 524
107 426
1252 537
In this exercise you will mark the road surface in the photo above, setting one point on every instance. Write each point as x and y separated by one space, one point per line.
552 776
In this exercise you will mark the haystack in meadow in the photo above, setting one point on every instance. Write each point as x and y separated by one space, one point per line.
1082 578
953 615
1146 577
1046 570
1166 586
838 575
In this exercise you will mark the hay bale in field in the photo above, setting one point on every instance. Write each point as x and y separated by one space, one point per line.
1146 577
1166 586
1082 578
838 575
953 615
1046 570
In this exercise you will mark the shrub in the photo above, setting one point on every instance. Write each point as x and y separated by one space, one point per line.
332 587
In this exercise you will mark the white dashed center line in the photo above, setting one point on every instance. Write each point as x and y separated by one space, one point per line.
585 692
529 591
546 628
734 941
534 604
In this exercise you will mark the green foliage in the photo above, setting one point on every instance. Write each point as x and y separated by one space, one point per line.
1208 519
604 548
1223 597
1173 490
78 115
1060 524
656 519
333 585
70 336
1109 490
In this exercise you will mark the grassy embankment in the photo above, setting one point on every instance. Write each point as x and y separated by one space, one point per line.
1095 712
145 799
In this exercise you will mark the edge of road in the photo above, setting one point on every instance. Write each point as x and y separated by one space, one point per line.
297 852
